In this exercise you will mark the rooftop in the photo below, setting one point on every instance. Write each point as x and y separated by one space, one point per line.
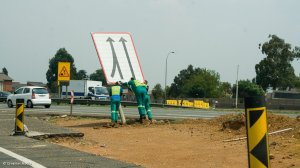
4 77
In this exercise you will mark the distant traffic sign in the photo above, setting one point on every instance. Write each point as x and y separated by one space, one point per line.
63 71
117 56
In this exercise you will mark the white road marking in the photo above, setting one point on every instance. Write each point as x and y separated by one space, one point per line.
38 146
6 119
34 146
24 160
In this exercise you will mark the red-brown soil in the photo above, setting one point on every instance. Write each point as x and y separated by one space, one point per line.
188 143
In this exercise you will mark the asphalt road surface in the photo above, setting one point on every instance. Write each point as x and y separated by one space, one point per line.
21 151
101 110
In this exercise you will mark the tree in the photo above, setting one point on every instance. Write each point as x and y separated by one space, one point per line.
196 83
61 56
98 76
225 89
297 85
202 84
276 70
81 74
176 87
157 92
247 88
4 70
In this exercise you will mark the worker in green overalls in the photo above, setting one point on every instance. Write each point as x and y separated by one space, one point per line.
115 98
147 102
140 92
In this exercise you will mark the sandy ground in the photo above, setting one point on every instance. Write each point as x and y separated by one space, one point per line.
187 143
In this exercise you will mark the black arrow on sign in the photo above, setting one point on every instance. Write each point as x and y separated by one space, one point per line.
127 55
115 59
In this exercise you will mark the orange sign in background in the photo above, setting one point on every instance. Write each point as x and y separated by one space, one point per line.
63 73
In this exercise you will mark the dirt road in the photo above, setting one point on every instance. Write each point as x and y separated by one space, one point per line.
187 143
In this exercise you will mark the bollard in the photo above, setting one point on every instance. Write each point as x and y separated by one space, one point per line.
19 121
257 133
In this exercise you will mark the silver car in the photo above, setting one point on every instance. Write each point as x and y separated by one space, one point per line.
32 96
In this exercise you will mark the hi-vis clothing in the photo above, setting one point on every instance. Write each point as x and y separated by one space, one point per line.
147 103
134 84
140 92
147 107
115 93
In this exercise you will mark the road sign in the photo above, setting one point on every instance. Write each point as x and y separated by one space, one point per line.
71 102
63 73
117 56
257 132
19 122
72 97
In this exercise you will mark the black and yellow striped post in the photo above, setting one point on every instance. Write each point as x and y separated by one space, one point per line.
19 122
257 132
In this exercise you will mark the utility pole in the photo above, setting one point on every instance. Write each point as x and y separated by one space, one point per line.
237 87
166 72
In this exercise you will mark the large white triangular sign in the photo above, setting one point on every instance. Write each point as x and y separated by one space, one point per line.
117 56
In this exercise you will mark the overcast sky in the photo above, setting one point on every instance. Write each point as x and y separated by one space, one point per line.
213 34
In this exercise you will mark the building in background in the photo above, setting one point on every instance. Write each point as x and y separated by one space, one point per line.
41 84
5 82
16 85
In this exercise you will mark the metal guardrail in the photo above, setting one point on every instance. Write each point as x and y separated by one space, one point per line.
103 102
270 104
97 102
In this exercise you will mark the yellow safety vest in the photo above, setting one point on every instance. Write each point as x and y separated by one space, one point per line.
138 83
115 90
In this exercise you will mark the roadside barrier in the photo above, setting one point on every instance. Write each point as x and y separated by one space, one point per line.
257 134
98 102
19 121
170 103
222 103
186 103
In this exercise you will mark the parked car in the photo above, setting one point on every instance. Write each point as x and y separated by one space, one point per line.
32 95
3 95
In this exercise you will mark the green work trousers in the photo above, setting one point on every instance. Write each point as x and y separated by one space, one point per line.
147 107
140 95
114 107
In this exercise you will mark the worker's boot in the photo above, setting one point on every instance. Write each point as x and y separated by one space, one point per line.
142 119
151 120
115 124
